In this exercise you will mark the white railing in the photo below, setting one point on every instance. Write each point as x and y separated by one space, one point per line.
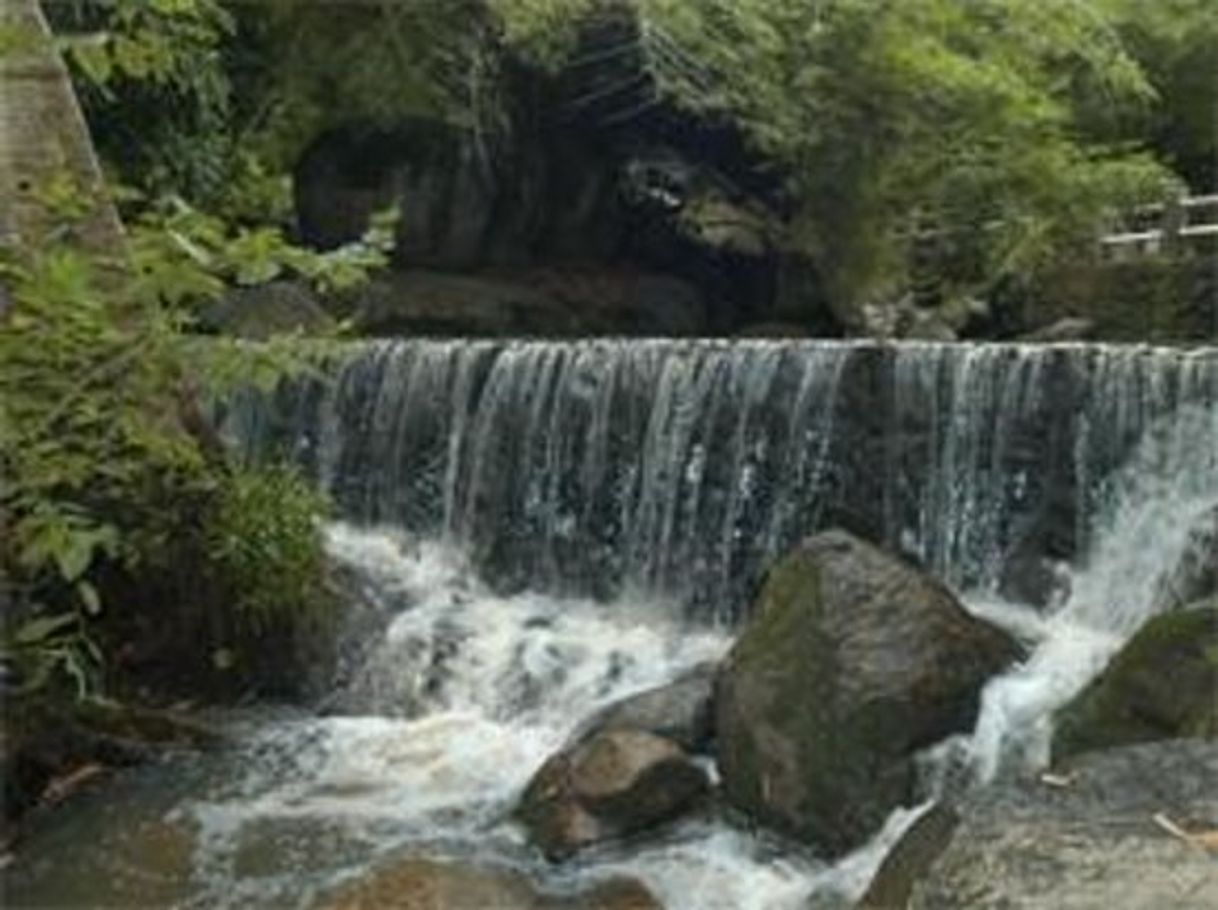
1175 224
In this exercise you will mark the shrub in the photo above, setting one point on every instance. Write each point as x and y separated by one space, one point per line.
263 539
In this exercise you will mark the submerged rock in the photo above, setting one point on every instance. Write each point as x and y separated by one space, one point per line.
609 785
423 884
1162 684
1100 841
851 663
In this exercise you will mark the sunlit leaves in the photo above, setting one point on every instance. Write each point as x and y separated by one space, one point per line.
265 538
944 114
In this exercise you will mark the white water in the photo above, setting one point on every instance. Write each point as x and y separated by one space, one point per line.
1143 531
476 718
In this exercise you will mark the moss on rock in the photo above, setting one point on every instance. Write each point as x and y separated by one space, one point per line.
852 662
1162 685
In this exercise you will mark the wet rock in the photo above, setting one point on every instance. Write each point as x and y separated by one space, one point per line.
49 748
1034 579
615 783
851 663
910 858
1162 684
679 711
422 884
1093 844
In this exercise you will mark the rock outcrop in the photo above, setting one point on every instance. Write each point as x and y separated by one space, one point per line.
1162 684
851 662
1126 829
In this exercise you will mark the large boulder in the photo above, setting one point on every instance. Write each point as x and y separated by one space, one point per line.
423 884
1121 828
612 784
851 662
467 199
1162 684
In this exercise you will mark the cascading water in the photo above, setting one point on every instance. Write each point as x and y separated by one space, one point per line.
621 499
682 468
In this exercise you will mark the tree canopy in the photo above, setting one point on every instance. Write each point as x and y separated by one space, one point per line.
1013 129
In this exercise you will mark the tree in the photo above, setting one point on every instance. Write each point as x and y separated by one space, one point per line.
958 119
1176 43
111 480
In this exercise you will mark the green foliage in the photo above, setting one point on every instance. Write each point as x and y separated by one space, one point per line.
48 648
263 538
892 119
1013 130
1176 43
185 256
375 63
101 472
153 83
544 30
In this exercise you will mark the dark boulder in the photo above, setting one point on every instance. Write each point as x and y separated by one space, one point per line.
1116 829
1162 684
613 784
851 663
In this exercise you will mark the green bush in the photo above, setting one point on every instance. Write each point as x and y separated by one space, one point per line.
263 539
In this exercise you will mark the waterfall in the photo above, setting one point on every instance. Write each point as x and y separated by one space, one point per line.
681 468
1144 516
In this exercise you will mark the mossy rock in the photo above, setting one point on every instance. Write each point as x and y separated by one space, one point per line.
851 663
1162 685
